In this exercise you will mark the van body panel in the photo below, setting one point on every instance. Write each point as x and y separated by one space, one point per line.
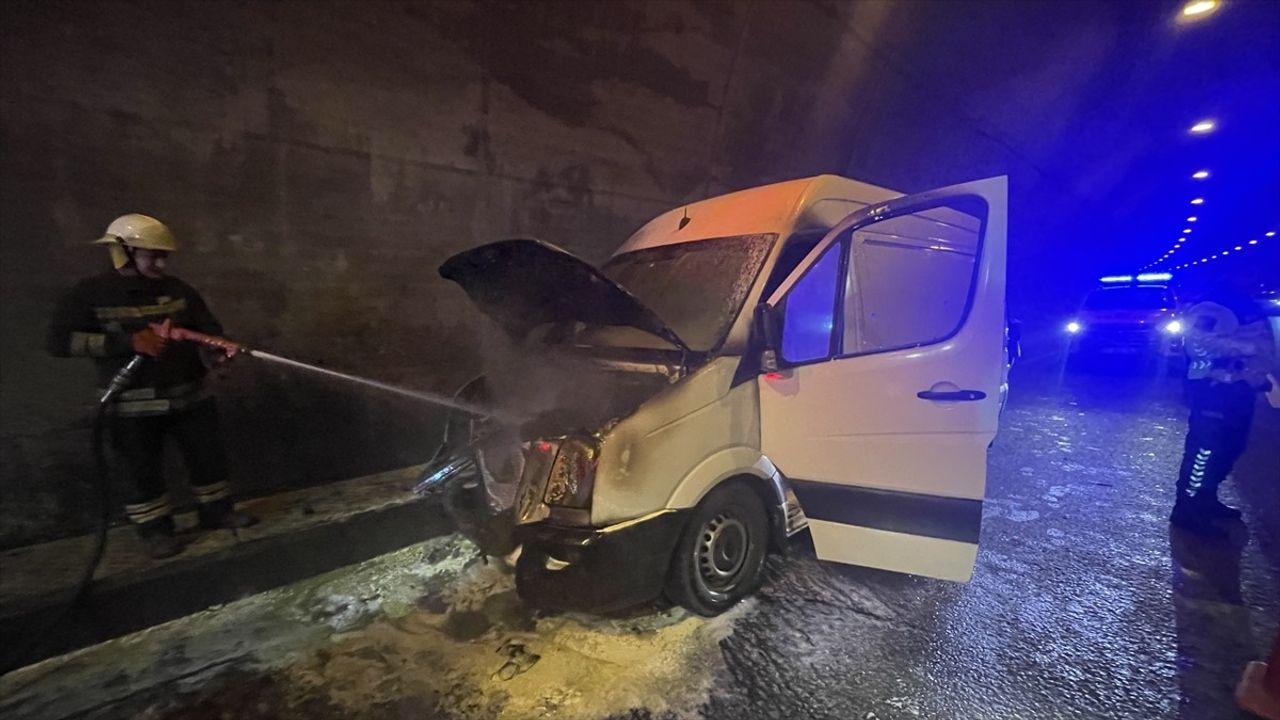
727 463
811 203
650 452
899 552
914 422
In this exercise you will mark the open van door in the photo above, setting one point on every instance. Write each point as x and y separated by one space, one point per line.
889 340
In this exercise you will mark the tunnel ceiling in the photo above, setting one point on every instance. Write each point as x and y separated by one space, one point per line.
1098 99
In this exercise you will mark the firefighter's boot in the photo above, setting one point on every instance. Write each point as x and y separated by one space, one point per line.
160 546
223 515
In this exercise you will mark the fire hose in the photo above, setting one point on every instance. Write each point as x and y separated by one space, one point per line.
118 384
124 378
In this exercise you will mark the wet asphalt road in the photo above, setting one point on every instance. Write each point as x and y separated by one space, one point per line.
1083 605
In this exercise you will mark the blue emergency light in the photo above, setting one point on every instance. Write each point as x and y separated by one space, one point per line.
1144 277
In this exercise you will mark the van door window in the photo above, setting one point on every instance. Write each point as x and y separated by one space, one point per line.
796 249
808 316
910 279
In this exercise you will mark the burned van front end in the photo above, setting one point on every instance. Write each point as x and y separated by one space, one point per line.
616 406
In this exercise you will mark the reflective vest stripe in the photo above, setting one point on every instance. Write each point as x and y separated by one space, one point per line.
90 344
140 311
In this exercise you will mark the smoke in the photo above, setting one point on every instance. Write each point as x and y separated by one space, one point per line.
558 390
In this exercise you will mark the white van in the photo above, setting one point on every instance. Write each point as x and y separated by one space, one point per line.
817 352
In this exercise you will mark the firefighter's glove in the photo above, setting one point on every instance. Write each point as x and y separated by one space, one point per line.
148 342
214 357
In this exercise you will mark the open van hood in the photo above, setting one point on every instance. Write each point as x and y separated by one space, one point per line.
523 283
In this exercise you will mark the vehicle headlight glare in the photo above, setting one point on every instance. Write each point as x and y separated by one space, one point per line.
1074 327
1174 327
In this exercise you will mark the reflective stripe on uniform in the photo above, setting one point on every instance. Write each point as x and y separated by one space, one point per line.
146 512
140 311
211 493
1197 471
85 343
158 406
150 393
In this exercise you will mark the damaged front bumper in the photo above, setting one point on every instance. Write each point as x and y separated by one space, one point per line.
597 569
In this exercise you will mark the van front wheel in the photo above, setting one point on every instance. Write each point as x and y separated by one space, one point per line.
720 557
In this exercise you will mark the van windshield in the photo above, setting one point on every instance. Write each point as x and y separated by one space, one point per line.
697 288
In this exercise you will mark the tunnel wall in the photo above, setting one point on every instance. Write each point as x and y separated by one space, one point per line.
319 160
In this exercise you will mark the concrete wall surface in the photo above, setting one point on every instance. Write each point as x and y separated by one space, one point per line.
318 160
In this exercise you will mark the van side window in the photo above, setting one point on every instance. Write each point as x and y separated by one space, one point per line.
808 315
796 249
910 279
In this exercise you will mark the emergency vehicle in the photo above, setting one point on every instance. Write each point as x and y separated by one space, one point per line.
1128 315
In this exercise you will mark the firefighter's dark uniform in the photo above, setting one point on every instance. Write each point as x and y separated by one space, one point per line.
96 319
1228 356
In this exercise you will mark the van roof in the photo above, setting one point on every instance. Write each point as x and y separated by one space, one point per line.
813 203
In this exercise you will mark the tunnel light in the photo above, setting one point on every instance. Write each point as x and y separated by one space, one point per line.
1182 239
1074 327
1154 277
1197 9
1239 248
1186 231
1115 279
1193 218
1200 175
1203 127
1270 234
1253 242
1174 327
1197 201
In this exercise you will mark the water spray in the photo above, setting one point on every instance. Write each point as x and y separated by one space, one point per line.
230 348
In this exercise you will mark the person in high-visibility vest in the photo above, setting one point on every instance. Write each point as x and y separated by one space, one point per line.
1229 355
108 318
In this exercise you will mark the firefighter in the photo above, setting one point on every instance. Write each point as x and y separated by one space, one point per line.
1229 355
109 318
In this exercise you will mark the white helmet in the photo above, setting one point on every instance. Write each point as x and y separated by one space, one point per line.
136 231
1211 318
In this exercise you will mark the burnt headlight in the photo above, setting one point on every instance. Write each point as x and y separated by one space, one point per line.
573 474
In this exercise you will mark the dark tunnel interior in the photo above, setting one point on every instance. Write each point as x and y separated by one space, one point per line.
315 166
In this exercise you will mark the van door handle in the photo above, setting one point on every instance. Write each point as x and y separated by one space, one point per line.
952 395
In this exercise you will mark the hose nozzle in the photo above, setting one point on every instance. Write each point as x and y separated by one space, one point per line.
123 379
166 330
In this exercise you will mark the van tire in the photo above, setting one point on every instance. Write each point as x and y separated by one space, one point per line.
720 556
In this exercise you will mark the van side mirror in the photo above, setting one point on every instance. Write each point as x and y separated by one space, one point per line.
768 329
